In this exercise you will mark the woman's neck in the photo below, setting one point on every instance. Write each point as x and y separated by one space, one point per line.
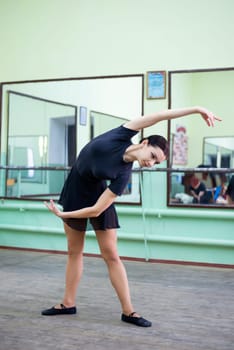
129 155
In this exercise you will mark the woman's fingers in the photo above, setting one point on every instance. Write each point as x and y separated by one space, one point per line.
210 118
51 206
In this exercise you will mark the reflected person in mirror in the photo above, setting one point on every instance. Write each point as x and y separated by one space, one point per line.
199 191
85 195
230 191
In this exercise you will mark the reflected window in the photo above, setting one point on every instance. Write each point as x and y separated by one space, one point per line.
219 151
41 133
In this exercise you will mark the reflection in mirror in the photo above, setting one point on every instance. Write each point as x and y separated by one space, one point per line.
39 130
219 151
209 151
32 123
102 122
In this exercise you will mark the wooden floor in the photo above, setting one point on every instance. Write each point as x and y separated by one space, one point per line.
192 308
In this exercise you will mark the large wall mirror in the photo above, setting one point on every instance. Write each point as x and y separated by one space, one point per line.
194 145
44 124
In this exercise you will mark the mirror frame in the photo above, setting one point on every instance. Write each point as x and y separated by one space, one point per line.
68 79
169 161
2 95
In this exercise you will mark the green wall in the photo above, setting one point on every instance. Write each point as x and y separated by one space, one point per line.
149 231
72 38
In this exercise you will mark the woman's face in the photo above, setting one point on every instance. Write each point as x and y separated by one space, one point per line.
194 182
148 155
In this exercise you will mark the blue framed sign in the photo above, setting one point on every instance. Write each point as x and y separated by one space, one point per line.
156 84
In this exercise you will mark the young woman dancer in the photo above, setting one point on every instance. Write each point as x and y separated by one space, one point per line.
85 194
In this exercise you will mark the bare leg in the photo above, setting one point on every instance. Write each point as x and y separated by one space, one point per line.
74 268
107 241
108 246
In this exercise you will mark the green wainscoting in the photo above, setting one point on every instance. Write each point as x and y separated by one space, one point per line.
175 234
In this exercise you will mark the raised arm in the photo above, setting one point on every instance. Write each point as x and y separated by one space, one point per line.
103 202
149 120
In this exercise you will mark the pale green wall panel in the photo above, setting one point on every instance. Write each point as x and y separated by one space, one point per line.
92 37
71 38
168 235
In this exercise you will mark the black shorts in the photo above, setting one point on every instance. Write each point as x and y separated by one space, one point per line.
107 220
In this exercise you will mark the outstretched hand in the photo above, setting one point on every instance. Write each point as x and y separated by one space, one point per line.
53 208
208 116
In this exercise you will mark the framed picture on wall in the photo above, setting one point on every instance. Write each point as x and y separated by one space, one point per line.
156 84
83 115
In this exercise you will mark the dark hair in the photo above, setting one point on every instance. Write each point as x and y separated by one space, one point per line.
159 141
230 188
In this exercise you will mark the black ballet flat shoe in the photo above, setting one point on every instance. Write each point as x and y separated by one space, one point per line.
63 311
138 321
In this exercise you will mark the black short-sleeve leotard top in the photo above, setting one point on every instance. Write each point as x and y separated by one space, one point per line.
101 159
